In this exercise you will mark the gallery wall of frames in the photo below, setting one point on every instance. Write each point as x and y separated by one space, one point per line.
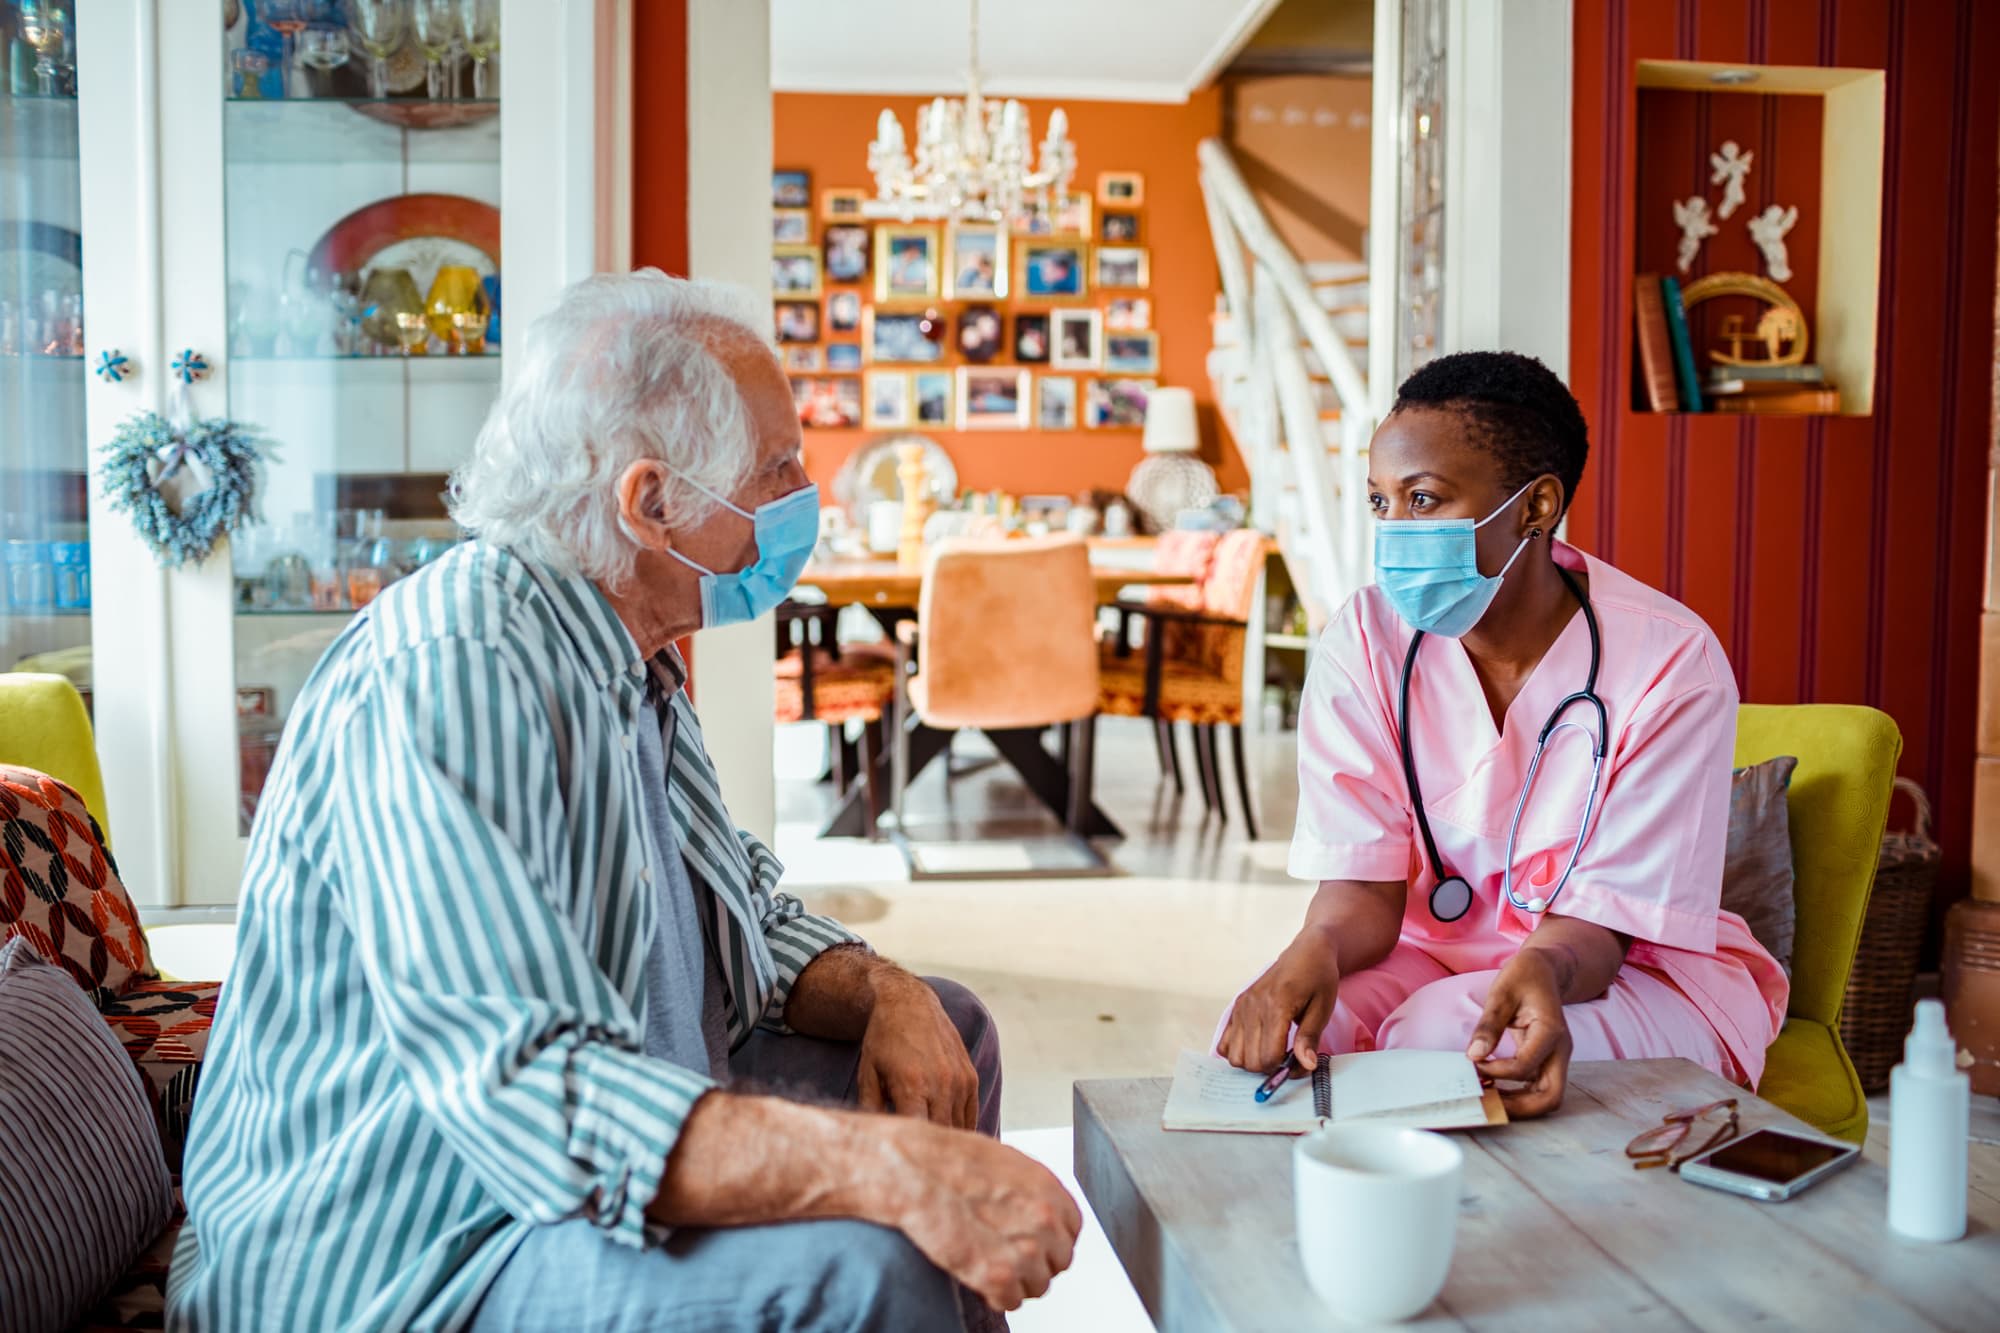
1028 348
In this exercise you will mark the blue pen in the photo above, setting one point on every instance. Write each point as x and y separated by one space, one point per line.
1269 1087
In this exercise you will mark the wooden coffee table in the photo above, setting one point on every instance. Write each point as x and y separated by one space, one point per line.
1556 1230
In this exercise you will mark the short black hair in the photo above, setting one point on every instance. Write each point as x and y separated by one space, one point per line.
1516 409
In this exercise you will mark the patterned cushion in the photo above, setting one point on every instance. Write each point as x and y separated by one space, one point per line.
1187 693
60 889
164 1026
83 1187
859 685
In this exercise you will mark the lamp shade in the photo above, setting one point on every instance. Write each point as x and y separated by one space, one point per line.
1170 423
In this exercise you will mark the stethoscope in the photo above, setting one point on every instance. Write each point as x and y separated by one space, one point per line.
1451 896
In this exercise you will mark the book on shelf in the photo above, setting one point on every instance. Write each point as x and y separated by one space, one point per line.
1719 387
1656 348
1807 373
1677 327
1795 399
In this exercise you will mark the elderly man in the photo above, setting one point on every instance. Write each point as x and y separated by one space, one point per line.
502 951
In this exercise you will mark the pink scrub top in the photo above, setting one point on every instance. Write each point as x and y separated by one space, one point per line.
1651 866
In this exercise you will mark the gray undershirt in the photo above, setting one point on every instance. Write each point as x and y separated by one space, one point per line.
684 1014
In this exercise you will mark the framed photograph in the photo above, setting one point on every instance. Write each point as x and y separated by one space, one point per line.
982 333
1076 341
1123 266
1121 189
1054 270
1073 216
1132 353
886 399
1031 339
1117 227
846 247
794 271
825 404
843 356
1069 216
791 226
975 262
803 356
892 336
837 205
791 189
906 263
1125 313
802 397
843 311
992 398
933 397
1055 402
1116 404
798 321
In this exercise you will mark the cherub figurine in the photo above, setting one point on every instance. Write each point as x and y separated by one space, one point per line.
1696 226
1768 229
1727 169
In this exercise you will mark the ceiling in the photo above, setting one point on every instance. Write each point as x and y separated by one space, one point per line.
1125 50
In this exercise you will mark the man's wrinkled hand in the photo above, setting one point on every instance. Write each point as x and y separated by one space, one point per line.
913 1061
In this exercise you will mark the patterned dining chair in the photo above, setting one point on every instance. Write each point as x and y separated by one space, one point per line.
1191 669
819 682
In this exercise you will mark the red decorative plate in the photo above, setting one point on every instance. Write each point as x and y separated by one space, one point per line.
448 223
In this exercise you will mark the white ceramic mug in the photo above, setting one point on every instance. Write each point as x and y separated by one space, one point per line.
1377 1211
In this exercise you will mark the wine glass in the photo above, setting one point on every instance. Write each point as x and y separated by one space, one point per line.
479 26
323 46
436 26
287 18
378 25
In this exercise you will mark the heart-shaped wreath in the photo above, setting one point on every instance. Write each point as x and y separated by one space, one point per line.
150 451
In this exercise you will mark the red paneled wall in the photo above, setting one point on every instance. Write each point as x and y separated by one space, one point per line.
1839 559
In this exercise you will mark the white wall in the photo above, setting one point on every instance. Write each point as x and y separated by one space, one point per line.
729 239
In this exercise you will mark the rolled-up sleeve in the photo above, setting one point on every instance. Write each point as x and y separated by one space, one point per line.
516 1045
794 936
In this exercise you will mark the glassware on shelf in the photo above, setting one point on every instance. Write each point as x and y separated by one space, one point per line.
44 26
323 46
10 329
435 24
344 300
253 320
456 292
490 284
288 19
479 29
378 25
249 67
71 562
387 296
303 308
31 575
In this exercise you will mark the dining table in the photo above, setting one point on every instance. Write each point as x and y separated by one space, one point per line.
891 593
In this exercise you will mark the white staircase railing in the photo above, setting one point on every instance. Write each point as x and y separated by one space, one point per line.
1312 496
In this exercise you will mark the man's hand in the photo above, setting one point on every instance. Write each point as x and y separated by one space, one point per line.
994 1219
913 1061
1527 1000
1300 989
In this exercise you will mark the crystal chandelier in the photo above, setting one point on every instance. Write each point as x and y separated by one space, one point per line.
973 158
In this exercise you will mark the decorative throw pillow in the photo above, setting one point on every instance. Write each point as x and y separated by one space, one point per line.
1757 869
60 889
83 1187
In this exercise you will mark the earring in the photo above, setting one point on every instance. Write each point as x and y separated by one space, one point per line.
1534 534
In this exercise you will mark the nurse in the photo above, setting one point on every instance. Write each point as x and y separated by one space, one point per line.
1582 923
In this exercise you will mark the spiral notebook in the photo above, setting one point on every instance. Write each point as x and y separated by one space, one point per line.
1418 1089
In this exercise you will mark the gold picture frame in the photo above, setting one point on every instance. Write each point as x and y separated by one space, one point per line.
1041 277
965 244
1132 352
994 398
841 205
887 389
895 279
1121 189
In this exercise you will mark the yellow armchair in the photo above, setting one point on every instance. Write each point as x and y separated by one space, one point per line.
43 726
1838 804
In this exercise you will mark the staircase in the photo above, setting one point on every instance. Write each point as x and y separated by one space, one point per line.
1289 343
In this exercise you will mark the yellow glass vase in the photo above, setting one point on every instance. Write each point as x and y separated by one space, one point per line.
455 294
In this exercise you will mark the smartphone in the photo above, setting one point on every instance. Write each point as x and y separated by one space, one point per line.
1769 1164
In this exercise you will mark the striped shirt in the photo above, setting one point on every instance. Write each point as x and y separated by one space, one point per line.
433 1036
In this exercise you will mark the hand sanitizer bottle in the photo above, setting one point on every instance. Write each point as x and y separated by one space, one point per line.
1930 1109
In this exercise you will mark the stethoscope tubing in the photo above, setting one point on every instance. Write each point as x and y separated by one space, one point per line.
1451 896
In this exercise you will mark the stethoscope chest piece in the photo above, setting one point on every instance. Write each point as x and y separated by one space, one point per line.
1451 898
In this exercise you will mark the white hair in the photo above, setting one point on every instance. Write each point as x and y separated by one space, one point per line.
625 368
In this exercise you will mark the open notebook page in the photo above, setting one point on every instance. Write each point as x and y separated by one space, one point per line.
1427 1089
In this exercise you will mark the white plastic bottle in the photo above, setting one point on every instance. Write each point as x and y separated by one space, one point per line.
1930 1109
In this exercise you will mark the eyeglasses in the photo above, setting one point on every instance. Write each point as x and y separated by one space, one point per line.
1714 1124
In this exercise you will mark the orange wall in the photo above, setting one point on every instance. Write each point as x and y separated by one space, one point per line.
828 135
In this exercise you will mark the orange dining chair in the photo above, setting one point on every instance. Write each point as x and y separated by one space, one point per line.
817 682
1192 668
1003 641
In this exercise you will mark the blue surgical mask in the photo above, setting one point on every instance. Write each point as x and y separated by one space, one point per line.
787 529
1428 568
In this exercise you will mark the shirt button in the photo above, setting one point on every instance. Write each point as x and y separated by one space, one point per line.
646 874
627 742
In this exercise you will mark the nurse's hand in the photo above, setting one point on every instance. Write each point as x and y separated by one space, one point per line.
1296 992
1527 1000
